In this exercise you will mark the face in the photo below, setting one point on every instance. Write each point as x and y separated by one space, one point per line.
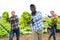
52 12
32 9
13 13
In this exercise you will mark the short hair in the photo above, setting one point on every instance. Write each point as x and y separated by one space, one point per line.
52 11
12 11
32 5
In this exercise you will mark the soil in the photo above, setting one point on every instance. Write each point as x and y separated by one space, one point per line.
29 37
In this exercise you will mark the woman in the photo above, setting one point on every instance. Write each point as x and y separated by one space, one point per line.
54 22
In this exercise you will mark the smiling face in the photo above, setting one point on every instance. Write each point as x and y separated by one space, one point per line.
32 8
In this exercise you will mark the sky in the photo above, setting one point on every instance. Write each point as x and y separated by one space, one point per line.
19 6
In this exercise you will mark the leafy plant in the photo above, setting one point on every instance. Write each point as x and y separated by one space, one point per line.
5 16
25 17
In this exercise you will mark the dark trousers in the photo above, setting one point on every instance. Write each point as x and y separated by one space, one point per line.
17 31
53 32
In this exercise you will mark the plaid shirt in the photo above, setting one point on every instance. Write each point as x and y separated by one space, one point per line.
37 23
14 22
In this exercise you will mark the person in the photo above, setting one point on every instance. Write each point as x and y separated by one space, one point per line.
36 23
54 26
13 20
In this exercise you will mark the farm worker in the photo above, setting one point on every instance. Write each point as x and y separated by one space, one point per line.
36 23
54 21
13 20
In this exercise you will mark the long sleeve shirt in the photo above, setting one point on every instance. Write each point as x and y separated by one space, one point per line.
37 22
14 22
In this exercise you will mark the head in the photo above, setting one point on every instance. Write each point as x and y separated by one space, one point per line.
13 13
32 8
52 12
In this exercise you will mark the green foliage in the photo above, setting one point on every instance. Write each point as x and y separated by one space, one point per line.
24 27
5 16
4 24
53 21
3 32
50 24
4 28
25 17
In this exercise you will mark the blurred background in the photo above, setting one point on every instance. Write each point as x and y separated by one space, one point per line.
21 6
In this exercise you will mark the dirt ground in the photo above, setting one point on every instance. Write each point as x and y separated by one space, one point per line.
29 37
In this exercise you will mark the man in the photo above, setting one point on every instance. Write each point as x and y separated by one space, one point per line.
14 26
54 26
36 23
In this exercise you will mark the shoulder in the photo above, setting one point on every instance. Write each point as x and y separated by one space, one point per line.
38 11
